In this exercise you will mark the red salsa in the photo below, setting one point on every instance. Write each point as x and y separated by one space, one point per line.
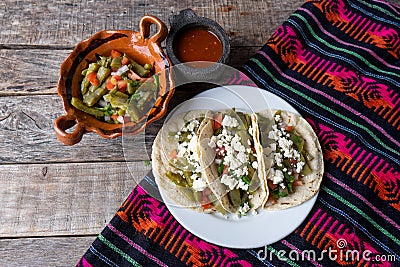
197 44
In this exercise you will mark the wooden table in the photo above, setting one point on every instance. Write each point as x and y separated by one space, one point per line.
54 199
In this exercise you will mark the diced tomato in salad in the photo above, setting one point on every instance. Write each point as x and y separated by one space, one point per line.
122 85
92 77
109 84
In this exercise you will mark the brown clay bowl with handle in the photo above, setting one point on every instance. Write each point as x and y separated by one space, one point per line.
139 46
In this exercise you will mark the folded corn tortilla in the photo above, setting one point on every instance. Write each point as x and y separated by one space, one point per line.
161 160
312 181
207 158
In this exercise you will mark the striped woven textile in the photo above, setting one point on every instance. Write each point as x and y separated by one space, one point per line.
338 63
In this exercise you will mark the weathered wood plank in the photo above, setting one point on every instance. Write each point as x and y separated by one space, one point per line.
51 252
30 71
65 23
27 135
36 71
63 199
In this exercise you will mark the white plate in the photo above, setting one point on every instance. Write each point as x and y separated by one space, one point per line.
250 231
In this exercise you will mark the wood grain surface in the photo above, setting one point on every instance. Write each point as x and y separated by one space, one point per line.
55 199
65 23
63 199
50 251
36 71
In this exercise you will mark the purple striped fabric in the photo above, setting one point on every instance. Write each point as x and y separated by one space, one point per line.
337 62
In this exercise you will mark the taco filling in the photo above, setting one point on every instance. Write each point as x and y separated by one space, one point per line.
236 159
187 173
288 158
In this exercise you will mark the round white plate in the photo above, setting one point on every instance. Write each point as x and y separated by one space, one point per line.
250 231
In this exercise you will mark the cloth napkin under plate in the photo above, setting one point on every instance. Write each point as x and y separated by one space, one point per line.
338 63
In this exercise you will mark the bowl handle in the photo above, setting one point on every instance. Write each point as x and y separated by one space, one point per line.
144 27
62 123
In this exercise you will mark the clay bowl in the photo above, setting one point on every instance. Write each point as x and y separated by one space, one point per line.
141 47
185 20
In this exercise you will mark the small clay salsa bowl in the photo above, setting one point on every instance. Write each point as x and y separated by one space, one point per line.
197 42
139 46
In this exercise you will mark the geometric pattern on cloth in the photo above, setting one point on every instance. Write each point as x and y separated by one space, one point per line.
338 63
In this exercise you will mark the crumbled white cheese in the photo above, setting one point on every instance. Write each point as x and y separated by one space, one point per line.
240 172
278 159
182 149
229 181
242 157
237 145
249 142
286 146
229 121
199 185
188 149
296 155
236 155
244 209
254 165
273 135
299 166
276 176
220 143
192 147
242 185
192 125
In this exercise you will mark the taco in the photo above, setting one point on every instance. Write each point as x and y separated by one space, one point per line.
234 170
292 158
176 165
